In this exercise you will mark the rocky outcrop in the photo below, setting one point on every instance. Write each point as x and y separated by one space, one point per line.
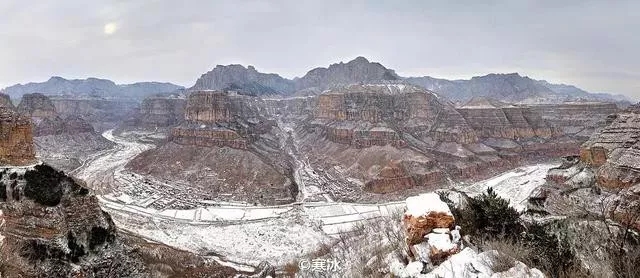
16 138
5 101
37 106
378 113
215 118
54 227
615 151
101 113
428 225
494 119
46 119
239 153
161 111
578 119
359 70
244 80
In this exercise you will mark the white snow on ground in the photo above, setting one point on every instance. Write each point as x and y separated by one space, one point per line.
102 168
245 235
423 204
441 241
515 185
277 240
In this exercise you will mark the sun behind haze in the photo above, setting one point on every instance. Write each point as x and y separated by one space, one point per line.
110 28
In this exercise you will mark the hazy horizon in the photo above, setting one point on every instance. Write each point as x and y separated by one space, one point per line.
588 44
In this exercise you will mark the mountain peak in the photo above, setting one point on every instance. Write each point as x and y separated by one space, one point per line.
359 60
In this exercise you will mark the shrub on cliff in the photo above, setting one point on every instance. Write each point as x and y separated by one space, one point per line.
99 236
3 191
43 185
46 185
487 215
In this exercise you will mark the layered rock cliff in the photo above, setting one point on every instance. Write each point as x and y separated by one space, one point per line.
615 151
16 138
101 113
494 119
228 147
37 106
63 140
156 113
579 119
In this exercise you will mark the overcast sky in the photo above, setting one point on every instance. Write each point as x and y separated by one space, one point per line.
591 44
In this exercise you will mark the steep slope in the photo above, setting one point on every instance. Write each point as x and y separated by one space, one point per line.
61 140
89 87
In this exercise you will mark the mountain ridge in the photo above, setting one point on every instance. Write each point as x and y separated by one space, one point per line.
91 86
506 87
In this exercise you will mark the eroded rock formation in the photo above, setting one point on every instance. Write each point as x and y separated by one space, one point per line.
101 113
5 101
37 106
615 151
16 138
239 151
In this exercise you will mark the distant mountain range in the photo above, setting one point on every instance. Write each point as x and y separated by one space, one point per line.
249 81
90 87
511 87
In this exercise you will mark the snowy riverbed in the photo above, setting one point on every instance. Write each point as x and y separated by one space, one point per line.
245 234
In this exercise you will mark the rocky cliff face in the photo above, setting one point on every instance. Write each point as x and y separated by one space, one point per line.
37 106
101 113
159 112
244 80
5 101
579 119
615 151
54 227
16 138
240 152
494 119
46 119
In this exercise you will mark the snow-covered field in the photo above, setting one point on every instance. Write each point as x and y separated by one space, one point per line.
515 185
